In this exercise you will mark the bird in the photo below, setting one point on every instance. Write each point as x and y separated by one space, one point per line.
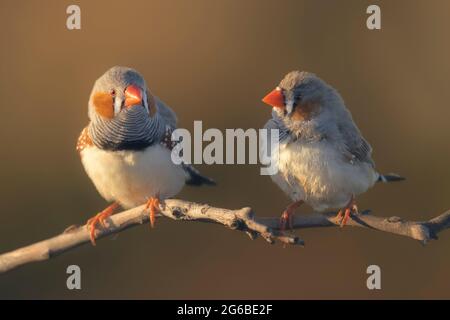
323 160
126 147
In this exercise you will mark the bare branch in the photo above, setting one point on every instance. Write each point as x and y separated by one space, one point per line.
242 220
423 231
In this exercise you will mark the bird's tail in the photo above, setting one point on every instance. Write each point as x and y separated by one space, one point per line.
195 178
391 177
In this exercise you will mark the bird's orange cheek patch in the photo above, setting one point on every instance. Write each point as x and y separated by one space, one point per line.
304 112
103 103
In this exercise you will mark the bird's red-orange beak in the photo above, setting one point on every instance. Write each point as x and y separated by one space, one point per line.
133 96
275 98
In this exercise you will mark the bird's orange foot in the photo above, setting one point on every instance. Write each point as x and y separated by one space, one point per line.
345 213
99 218
286 216
153 207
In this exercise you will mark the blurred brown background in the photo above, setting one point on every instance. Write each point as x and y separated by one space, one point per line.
214 61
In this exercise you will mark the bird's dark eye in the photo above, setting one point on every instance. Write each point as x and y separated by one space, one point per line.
112 92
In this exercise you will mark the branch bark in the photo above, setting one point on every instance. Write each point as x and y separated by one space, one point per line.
241 219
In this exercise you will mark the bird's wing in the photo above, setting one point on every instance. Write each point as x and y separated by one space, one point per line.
194 177
166 113
356 148
275 123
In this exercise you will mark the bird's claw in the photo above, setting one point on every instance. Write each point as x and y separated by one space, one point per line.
345 213
153 207
93 222
287 215
286 220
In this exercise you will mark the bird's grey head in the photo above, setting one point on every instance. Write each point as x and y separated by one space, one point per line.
305 105
120 110
298 91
